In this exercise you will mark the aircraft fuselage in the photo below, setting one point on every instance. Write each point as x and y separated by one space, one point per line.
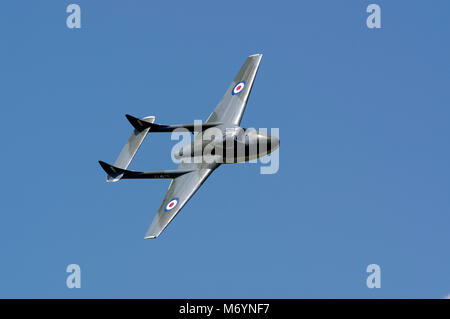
228 145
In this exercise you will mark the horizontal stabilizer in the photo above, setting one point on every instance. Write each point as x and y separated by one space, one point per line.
130 148
141 125
118 173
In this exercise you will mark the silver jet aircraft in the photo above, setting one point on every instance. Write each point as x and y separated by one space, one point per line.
227 143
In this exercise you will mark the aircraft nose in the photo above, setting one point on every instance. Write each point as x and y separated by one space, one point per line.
272 142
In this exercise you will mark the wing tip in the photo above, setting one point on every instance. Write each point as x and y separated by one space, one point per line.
151 236
152 233
256 55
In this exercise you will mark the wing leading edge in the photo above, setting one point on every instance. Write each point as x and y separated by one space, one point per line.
180 191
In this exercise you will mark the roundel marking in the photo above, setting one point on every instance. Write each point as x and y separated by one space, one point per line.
238 88
171 204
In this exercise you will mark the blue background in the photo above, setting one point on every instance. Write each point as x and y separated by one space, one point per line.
364 158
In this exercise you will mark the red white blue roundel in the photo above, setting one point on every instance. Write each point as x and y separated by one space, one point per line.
238 88
171 204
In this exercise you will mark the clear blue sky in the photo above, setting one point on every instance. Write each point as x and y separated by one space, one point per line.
364 160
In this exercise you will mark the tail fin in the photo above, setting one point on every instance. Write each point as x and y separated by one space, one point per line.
131 147
140 124
117 173
114 173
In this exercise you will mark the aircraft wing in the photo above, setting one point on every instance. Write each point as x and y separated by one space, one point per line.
180 191
230 109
